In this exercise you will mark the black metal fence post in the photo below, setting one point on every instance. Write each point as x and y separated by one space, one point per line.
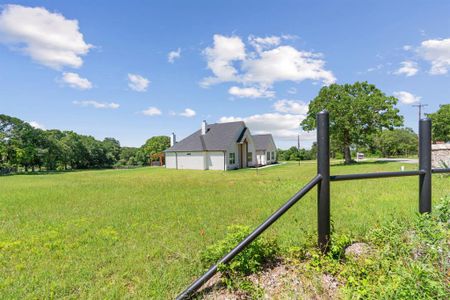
323 191
425 166
323 179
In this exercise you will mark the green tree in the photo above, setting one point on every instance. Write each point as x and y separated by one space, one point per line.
20 142
294 154
401 141
22 146
357 111
112 150
155 145
54 156
76 154
128 156
10 142
441 123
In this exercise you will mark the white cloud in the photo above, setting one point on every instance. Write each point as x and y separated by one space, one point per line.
281 126
137 82
291 106
173 55
376 68
407 47
437 52
286 63
406 97
251 92
408 68
96 104
260 43
48 38
188 113
74 80
36 125
229 62
220 59
152 111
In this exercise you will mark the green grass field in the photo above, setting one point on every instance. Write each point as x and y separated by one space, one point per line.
138 233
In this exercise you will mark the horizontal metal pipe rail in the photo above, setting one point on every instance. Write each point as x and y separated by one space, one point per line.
447 170
376 175
260 229
322 179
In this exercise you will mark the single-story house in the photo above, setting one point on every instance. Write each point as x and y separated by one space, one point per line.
221 146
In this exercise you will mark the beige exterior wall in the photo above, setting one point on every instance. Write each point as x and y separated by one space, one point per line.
191 160
195 160
232 149
440 155
170 160
215 160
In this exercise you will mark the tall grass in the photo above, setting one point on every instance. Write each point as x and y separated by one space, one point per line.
139 233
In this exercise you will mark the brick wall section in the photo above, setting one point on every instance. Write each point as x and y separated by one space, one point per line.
440 153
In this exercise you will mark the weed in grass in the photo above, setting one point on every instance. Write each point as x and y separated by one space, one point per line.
249 261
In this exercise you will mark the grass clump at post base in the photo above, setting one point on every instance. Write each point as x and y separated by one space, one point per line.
249 261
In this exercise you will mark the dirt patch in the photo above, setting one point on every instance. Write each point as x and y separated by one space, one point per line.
278 281
357 250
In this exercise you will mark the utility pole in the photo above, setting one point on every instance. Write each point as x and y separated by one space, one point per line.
420 108
420 105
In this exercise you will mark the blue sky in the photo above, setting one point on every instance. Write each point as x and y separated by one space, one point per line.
103 68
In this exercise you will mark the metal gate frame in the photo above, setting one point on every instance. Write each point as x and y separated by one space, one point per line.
322 180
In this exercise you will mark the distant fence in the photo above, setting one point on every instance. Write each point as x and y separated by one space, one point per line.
322 180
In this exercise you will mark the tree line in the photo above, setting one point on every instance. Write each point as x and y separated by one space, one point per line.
362 119
25 148
399 142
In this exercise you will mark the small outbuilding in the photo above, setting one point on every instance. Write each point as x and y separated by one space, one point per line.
221 146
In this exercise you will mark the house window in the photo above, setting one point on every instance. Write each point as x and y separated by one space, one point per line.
232 158
249 156
268 155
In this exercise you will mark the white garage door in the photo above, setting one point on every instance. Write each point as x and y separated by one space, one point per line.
261 158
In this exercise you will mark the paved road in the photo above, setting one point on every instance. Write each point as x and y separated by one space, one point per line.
404 160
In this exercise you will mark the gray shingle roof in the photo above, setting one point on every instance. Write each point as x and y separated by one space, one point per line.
218 136
262 141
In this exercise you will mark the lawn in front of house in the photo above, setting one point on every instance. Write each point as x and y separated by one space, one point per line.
139 233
